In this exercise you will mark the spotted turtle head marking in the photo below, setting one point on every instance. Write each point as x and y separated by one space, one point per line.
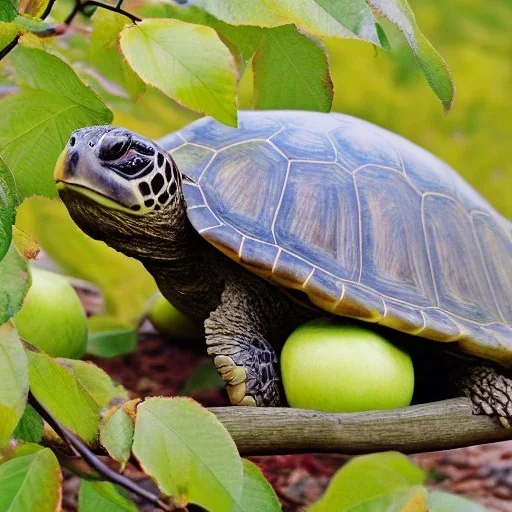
119 170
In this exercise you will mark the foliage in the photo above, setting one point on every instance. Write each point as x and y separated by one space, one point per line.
13 368
30 480
210 57
386 481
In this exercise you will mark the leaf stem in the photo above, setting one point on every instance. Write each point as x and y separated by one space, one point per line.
92 460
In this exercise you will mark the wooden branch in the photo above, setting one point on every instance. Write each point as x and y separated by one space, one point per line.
419 428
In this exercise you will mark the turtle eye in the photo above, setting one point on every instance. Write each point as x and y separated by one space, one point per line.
113 147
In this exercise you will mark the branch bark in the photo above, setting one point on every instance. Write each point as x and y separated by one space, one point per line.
419 428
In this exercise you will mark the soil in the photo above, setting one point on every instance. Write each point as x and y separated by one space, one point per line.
161 367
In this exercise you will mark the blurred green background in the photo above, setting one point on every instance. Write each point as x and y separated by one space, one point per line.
474 37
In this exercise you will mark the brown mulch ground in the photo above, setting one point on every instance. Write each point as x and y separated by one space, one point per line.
159 367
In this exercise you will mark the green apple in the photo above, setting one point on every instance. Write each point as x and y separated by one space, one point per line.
335 366
169 321
52 317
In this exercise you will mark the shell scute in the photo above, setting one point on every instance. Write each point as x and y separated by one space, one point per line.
291 271
227 240
290 141
440 326
245 186
258 257
458 269
193 159
193 194
324 289
403 317
356 149
394 257
316 217
496 251
219 135
361 303
202 218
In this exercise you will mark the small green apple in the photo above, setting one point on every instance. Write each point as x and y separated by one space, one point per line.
169 321
334 366
52 317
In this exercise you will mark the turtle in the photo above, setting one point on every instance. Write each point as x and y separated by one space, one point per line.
296 215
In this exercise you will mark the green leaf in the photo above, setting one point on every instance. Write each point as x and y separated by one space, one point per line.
104 53
241 38
257 493
96 382
30 428
164 54
116 436
36 123
380 481
31 482
125 284
440 501
353 20
8 10
14 388
8 203
431 63
103 497
291 72
8 31
204 378
255 12
188 452
14 283
355 15
63 395
110 337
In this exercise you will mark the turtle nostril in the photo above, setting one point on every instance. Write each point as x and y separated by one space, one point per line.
72 141
73 162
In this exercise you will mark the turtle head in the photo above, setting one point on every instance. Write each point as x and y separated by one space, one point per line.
118 169
120 187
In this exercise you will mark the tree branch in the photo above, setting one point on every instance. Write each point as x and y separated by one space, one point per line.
426 427
92 460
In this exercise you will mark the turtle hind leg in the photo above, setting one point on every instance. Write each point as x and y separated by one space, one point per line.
490 390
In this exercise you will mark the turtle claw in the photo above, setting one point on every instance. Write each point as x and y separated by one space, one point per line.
505 423
235 378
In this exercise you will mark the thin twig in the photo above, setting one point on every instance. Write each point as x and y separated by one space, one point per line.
92 460
48 9
9 47
71 16
112 8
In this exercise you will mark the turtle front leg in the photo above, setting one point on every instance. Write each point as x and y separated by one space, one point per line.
236 339
490 390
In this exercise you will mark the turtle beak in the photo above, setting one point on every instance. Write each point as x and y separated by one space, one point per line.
60 169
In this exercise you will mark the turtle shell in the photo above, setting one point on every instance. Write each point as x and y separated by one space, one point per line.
366 223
